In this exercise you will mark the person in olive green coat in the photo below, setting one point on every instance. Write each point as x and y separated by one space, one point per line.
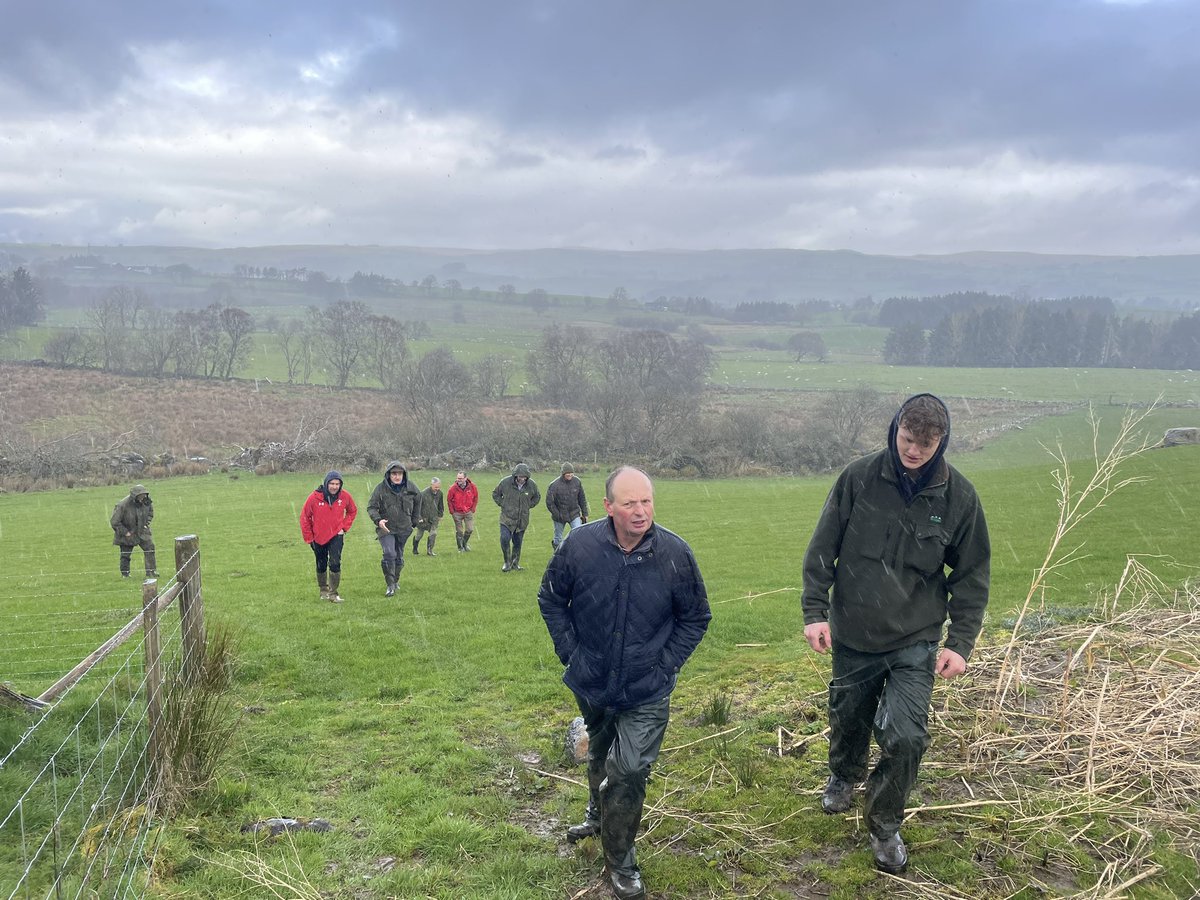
131 528
394 507
902 544
433 508
515 495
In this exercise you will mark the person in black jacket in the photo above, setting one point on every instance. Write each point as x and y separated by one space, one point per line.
395 508
877 592
625 606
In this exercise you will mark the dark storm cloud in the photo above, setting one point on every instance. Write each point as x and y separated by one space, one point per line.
942 125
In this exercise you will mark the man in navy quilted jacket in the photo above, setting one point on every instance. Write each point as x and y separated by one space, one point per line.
626 606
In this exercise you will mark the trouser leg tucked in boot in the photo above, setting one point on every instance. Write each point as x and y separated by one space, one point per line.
335 579
591 818
458 539
389 578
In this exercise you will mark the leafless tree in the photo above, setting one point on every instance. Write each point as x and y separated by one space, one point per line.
386 349
236 327
342 340
846 415
155 341
291 336
492 375
439 392
70 347
558 366
113 318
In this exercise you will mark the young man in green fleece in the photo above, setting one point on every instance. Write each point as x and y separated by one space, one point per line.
901 545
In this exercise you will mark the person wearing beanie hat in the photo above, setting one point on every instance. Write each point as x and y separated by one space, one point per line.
130 523
567 503
516 495
325 519
877 593
394 507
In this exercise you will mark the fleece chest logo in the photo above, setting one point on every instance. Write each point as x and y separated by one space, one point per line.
936 520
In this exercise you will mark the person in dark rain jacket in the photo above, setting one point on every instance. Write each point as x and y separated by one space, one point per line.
515 495
625 605
395 508
130 522
893 524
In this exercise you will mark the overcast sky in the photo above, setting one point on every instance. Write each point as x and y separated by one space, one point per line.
933 126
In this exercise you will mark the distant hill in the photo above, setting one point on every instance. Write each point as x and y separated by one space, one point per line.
726 276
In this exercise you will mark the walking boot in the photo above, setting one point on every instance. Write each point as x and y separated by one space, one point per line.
590 825
891 855
335 579
429 545
838 795
466 541
323 584
627 887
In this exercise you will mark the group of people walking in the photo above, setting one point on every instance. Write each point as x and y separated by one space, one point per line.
901 547
400 511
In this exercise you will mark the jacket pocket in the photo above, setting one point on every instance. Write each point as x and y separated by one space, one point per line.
927 549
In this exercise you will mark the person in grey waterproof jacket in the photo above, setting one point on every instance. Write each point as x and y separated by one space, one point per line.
394 507
516 495
130 522
567 503
626 606
877 592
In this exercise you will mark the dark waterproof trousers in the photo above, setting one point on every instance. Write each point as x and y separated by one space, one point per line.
622 745
329 556
147 546
888 693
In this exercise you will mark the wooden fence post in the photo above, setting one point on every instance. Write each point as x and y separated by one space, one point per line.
154 741
191 604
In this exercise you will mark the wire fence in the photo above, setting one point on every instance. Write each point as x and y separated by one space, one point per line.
82 761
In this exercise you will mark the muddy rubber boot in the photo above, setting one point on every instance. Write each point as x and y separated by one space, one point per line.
323 584
335 579
459 540
467 540
389 579
429 542
620 817
590 826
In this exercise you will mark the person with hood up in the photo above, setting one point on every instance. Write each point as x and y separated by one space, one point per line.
131 528
433 510
893 524
516 495
567 503
394 507
327 516
463 499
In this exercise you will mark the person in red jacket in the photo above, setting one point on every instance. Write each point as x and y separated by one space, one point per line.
463 498
328 514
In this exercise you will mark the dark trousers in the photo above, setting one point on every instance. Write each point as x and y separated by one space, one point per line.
516 537
393 550
887 694
329 556
622 745
147 546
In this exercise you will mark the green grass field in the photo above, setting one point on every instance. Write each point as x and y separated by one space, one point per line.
422 726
